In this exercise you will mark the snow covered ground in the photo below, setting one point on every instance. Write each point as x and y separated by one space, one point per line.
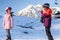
37 32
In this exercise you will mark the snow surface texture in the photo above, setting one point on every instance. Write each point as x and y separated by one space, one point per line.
31 29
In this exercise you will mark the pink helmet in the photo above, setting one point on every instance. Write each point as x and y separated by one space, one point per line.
8 8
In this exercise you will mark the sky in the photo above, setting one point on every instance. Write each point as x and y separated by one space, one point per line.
18 5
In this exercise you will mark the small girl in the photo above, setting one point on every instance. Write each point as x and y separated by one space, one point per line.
8 22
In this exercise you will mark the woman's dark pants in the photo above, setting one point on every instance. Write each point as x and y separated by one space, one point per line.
48 33
8 34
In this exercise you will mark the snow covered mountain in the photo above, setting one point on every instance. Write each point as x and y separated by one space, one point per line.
32 11
29 11
55 9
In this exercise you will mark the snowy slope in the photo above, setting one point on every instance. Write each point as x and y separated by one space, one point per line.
37 32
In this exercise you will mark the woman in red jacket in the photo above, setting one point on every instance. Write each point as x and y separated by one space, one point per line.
46 19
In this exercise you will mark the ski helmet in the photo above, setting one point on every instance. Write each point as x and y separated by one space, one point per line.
46 5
